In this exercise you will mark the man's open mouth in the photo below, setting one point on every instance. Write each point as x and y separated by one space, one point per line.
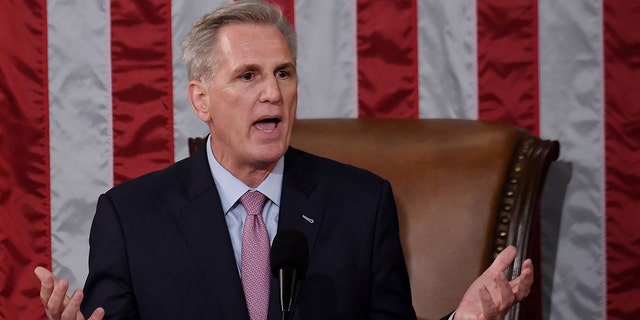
267 124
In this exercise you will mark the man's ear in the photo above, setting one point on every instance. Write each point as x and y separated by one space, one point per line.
199 98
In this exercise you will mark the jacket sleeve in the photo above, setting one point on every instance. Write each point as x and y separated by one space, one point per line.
108 284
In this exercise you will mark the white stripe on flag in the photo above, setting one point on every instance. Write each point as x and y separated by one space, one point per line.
326 59
447 56
571 110
80 128
186 124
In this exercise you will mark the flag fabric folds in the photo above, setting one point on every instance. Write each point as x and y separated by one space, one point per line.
93 93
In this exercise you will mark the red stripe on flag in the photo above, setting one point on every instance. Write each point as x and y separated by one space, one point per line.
508 88
387 46
25 225
622 157
508 62
288 9
142 87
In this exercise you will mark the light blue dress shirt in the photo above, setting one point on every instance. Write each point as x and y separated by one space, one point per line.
231 189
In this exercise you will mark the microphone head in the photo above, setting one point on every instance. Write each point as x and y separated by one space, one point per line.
289 250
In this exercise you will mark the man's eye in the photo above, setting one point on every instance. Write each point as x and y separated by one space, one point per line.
247 76
282 74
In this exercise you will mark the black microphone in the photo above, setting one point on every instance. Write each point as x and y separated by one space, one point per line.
289 260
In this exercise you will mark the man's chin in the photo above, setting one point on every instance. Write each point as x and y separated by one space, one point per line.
270 155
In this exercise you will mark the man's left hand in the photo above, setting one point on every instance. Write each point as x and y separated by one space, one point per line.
491 296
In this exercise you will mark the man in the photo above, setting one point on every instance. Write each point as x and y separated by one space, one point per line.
170 244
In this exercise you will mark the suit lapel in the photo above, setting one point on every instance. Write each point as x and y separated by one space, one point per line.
297 211
204 227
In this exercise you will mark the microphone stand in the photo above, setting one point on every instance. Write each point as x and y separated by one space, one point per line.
287 278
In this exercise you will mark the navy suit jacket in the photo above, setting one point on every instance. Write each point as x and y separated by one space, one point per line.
160 247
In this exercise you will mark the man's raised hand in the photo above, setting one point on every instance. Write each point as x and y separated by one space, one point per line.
57 304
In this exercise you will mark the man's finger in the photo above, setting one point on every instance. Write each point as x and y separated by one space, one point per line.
521 286
57 299
72 307
97 314
503 260
47 282
506 297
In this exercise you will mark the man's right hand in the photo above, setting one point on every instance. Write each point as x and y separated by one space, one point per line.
57 304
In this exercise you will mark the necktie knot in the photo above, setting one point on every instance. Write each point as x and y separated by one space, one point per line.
253 202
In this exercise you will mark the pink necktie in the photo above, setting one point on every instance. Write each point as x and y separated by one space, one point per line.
255 256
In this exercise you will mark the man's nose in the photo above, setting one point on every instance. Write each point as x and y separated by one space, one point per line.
271 90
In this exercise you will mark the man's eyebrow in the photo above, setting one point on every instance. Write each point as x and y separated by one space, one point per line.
286 65
246 67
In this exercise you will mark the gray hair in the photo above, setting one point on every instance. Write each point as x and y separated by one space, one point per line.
199 43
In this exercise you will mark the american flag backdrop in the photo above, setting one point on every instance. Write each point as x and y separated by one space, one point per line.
93 93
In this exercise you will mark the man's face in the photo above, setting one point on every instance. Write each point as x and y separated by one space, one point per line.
251 99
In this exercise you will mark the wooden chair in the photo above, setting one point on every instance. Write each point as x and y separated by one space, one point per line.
464 189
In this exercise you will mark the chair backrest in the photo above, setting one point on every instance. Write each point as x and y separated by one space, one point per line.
464 189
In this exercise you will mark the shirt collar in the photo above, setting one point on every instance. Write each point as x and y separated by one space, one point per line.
231 188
